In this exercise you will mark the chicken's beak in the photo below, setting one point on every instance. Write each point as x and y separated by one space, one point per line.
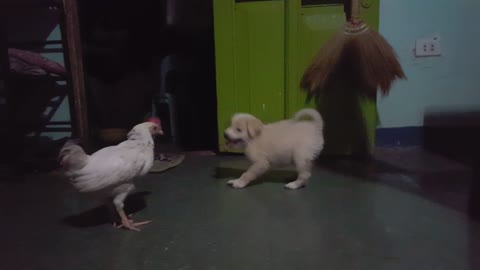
158 131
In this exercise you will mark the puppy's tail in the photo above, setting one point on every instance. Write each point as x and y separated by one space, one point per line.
312 114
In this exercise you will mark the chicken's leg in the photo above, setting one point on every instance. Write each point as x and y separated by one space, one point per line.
126 223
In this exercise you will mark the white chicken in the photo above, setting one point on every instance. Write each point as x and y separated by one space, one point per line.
111 170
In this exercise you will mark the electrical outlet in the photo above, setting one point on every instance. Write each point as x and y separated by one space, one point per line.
427 47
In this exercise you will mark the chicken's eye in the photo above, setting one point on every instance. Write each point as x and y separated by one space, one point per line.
239 130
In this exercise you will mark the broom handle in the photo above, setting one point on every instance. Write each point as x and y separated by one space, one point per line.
347 9
355 10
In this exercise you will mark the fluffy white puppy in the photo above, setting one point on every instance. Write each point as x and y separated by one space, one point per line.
295 141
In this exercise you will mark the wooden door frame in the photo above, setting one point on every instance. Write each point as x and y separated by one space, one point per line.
75 66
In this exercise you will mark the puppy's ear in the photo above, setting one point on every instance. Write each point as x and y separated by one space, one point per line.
254 127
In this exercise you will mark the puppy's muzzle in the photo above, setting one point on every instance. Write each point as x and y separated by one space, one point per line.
231 140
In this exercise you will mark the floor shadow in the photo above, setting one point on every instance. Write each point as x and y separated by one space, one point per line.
449 187
104 214
474 212
473 247
454 133
280 177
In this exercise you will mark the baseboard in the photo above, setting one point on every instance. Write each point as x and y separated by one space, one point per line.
457 142
399 137
443 130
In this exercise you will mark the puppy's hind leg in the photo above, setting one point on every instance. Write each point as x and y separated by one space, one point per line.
304 168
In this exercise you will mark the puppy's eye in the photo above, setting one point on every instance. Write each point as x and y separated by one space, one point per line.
239 130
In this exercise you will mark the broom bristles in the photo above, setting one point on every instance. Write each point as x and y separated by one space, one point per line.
365 59
323 63
378 61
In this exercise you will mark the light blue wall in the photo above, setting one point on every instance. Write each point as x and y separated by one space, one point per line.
448 82
62 113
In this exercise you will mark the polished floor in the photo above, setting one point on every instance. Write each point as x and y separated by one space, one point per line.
406 211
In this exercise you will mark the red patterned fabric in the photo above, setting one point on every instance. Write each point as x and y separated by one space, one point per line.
26 62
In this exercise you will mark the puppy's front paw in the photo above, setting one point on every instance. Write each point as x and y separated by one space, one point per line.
295 185
237 183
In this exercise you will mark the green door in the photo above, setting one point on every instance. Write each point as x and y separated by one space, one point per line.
250 60
262 48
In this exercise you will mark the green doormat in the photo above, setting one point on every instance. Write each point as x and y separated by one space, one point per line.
168 161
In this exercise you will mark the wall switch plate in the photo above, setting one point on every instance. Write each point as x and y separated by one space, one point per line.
427 47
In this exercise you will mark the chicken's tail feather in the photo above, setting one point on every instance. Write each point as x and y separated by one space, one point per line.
72 156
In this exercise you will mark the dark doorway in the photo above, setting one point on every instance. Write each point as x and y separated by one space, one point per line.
140 52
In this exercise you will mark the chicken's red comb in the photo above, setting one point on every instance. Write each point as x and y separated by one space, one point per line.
155 120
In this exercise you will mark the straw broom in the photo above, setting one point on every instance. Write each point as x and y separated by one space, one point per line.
356 53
